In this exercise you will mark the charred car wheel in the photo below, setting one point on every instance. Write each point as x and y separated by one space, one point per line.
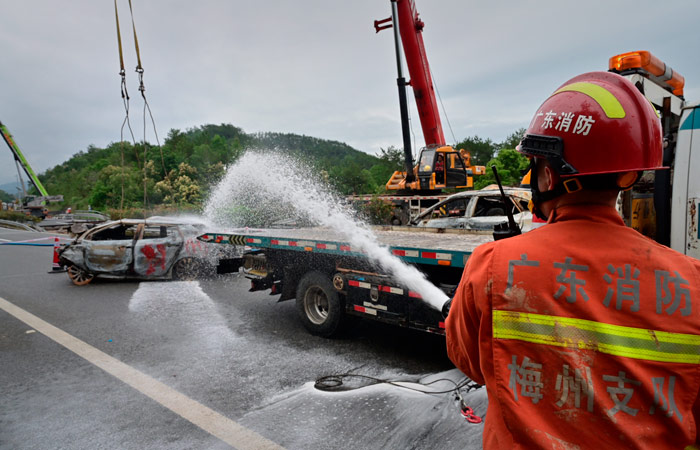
188 269
78 276
319 305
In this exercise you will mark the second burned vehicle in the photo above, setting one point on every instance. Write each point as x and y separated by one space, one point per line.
478 210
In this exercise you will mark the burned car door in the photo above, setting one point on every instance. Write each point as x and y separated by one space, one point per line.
451 213
156 250
111 249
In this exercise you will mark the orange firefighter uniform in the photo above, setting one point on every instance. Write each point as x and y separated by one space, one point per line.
585 333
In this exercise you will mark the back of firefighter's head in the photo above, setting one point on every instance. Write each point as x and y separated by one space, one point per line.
597 132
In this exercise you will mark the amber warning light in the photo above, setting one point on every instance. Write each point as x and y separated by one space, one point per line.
650 64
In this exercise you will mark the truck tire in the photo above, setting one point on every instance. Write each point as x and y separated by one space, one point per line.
318 304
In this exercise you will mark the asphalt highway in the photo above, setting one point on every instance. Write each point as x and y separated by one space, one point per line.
205 364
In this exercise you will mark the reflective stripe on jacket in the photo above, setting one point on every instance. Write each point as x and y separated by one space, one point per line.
586 334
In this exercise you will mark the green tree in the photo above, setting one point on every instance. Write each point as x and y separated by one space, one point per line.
349 177
482 150
380 174
377 211
179 188
392 157
5 197
513 139
510 165
107 192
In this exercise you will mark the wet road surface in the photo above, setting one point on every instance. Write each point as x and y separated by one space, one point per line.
239 361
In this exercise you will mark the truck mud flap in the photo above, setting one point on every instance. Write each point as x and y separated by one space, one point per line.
229 265
377 298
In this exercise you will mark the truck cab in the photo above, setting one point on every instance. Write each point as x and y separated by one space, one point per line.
663 205
685 200
442 167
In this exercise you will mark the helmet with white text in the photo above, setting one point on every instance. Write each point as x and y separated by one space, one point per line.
596 123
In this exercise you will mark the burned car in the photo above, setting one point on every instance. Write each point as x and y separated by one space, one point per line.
478 210
155 248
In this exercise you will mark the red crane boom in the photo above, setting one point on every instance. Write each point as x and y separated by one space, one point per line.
411 30
439 165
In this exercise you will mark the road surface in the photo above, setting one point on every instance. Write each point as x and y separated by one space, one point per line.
179 365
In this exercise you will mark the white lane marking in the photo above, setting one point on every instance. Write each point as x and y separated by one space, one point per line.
207 419
5 240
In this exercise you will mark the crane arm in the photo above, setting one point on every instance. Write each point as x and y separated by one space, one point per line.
19 157
411 30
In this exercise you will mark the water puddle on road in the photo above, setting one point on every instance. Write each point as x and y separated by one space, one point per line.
267 187
374 416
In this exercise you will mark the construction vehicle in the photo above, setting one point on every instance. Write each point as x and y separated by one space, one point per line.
34 205
439 165
664 205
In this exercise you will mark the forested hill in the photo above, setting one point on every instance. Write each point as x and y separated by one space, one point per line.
181 171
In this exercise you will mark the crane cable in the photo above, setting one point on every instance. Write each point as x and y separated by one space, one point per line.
146 107
125 100
444 111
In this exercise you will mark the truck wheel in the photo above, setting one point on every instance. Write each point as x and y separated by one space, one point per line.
189 269
318 304
78 276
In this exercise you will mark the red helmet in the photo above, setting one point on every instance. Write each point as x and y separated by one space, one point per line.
596 123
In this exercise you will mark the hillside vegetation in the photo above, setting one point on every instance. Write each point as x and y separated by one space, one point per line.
179 173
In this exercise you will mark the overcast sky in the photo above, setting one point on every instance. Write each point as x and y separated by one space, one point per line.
312 67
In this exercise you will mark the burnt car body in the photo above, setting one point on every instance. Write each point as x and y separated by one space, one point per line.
155 248
478 210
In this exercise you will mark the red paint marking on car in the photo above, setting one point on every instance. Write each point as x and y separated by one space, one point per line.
154 257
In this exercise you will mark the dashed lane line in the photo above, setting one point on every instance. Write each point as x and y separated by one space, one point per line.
205 418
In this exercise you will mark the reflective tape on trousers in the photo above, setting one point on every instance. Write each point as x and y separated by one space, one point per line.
638 343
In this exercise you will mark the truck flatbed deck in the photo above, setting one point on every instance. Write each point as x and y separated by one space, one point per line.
426 246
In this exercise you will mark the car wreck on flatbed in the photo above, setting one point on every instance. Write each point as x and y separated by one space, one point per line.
155 248
478 210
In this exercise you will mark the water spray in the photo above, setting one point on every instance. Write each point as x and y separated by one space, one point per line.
265 186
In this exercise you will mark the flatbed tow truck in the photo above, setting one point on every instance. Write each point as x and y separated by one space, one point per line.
331 279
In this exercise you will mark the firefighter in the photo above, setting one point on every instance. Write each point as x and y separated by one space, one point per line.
585 333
